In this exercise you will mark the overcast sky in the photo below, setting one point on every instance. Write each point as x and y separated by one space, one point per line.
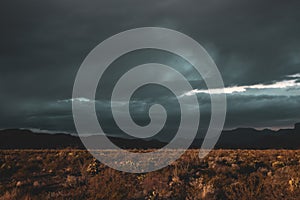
254 43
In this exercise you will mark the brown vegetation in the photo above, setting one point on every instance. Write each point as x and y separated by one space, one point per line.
223 174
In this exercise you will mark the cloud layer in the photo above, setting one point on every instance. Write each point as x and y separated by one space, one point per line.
254 43
284 85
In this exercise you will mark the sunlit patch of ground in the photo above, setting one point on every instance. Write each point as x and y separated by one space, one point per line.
223 174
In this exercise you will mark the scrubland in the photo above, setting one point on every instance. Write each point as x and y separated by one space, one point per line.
223 174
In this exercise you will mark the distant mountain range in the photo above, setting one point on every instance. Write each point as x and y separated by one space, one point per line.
241 138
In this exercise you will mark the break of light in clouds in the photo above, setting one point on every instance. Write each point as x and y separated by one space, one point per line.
294 76
285 84
79 99
279 85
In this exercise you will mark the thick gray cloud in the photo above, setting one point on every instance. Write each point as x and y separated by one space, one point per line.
44 42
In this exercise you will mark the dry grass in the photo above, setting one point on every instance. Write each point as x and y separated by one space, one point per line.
223 174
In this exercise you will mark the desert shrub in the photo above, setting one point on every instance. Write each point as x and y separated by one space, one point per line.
223 174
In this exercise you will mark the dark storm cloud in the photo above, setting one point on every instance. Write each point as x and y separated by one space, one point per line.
44 42
262 111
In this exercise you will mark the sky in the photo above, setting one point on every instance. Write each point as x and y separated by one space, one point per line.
254 43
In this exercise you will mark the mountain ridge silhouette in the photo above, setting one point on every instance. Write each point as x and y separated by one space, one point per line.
240 138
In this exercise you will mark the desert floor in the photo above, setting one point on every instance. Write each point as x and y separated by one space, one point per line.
223 174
